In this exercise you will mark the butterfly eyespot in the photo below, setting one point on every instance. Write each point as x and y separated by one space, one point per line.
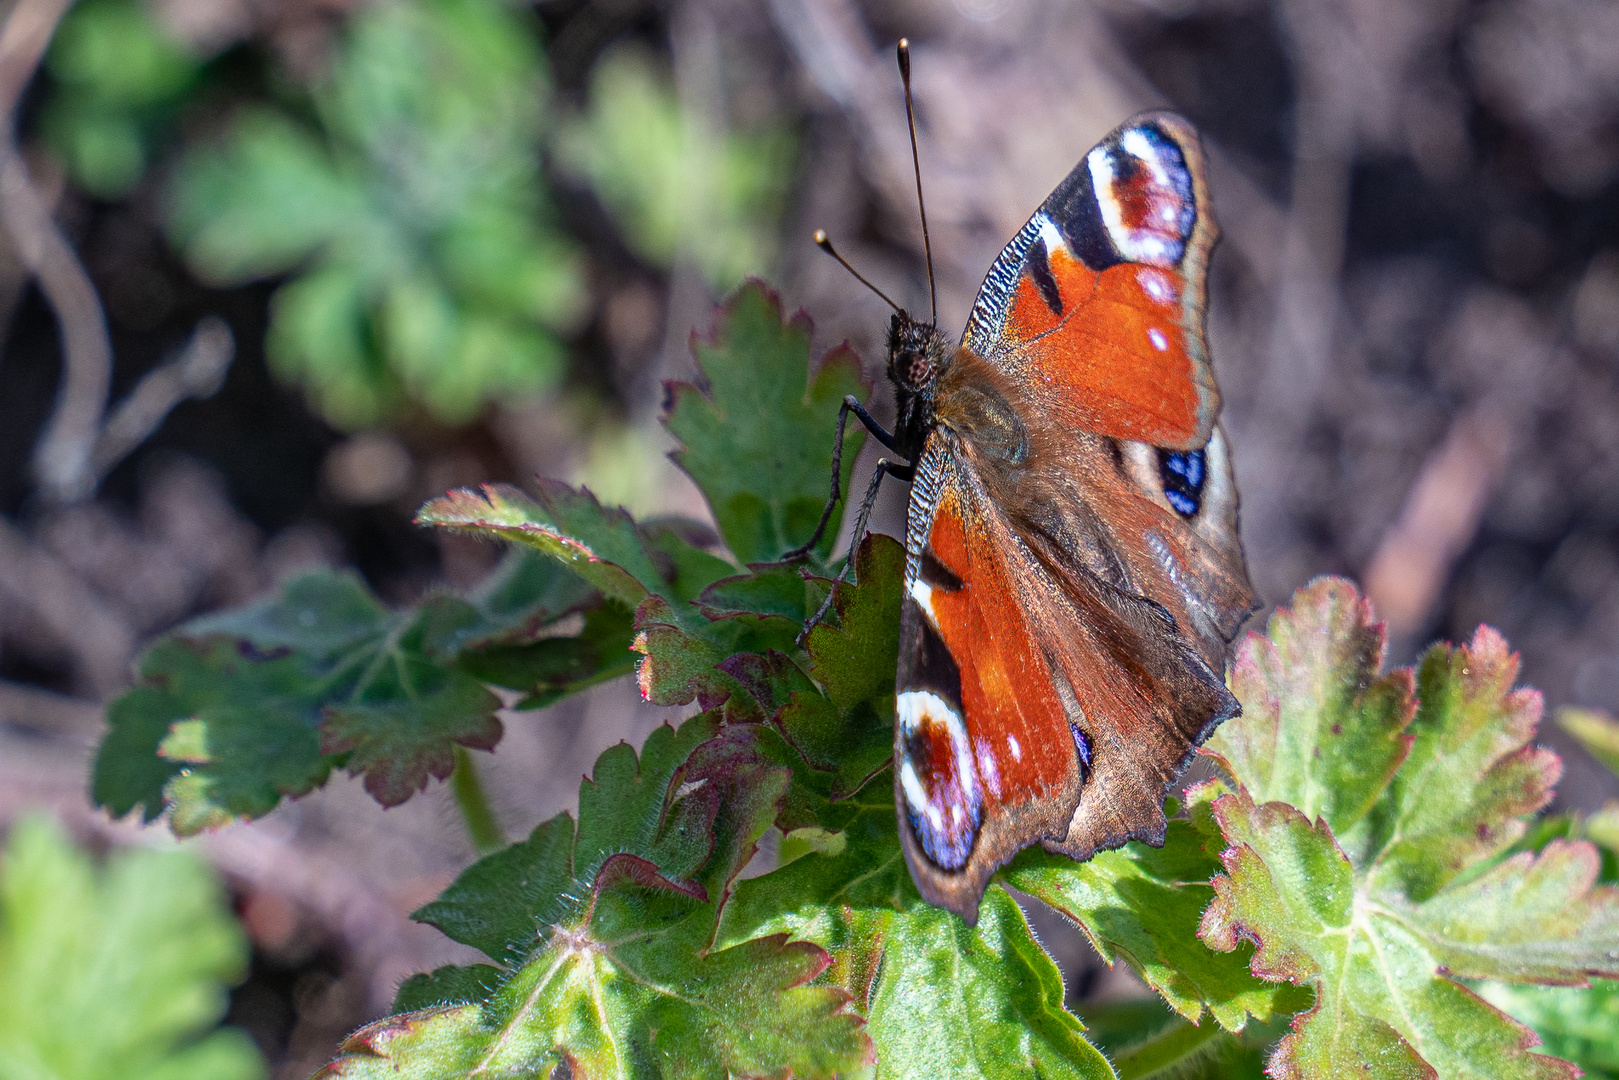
1182 474
1082 743
943 800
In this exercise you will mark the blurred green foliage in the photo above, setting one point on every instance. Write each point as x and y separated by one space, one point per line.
410 206
677 185
403 192
119 78
115 973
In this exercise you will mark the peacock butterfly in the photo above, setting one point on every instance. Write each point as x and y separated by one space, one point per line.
1073 575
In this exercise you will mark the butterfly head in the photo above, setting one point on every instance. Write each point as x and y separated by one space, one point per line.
917 352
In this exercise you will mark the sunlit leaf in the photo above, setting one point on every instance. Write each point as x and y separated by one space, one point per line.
1381 923
757 433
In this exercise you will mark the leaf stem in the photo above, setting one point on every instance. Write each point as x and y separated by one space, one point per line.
1170 1047
482 825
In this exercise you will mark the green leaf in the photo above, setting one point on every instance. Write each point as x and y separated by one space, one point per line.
1143 905
1318 731
674 185
1378 923
236 711
118 77
991 997
403 193
607 933
849 730
119 972
757 436
1577 1023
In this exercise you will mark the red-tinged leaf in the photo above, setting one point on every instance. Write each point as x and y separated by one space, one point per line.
1379 919
1321 729
1382 1007
757 433
1534 917
397 745
602 546
1471 777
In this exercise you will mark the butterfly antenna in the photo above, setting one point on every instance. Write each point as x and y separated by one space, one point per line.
916 163
824 242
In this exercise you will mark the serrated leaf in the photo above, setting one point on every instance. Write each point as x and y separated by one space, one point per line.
1321 728
601 545
115 972
1142 905
236 711
1472 776
757 435
848 728
397 744
1378 924
606 932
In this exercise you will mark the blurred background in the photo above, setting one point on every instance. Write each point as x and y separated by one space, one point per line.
272 272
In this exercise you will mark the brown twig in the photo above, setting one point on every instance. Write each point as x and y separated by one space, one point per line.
197 372
62 457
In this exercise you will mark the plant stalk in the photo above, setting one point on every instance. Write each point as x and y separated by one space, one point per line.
1170 1047
482 825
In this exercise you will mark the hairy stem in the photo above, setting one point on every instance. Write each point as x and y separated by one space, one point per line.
482 826
1172 1046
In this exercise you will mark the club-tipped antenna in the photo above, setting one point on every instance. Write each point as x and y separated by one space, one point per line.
916 163
824 242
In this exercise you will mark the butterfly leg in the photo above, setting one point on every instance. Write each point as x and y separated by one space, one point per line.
850 405
884 468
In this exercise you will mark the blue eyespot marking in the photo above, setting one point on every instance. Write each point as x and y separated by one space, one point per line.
1082 743
1183 473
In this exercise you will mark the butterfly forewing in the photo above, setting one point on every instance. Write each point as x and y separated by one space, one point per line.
1099 299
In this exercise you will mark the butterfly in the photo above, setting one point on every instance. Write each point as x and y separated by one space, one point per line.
1073 573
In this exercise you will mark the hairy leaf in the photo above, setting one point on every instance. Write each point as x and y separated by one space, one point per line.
116 972
991 997
757 432
1416 891
1142 905
606 935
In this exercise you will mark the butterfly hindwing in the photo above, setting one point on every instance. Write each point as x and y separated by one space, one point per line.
1038 702
1100 297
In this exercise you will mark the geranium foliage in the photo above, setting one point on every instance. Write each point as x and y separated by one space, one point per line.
1366 858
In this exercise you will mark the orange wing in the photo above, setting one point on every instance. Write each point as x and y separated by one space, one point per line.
1097 305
